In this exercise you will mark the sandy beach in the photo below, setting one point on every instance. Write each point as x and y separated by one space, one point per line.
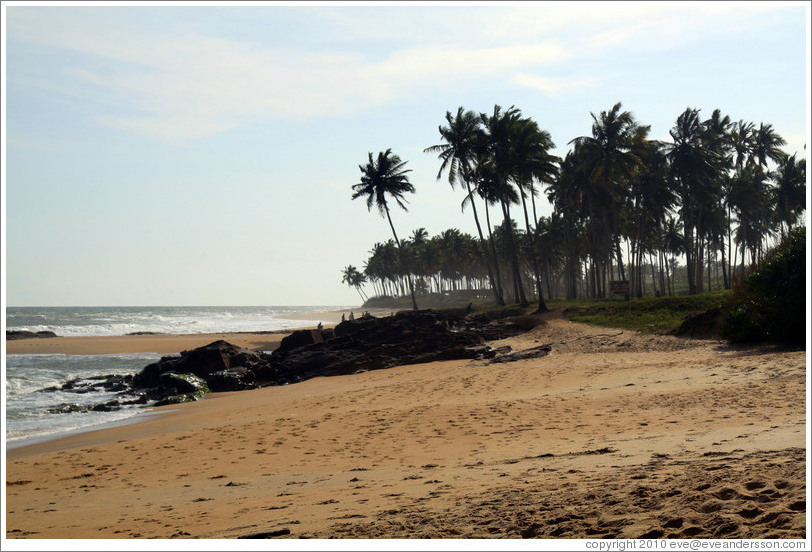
613 434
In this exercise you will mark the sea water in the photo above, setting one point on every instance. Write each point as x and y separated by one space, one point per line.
29 412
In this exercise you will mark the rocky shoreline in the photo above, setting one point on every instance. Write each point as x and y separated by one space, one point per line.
12 335
408 337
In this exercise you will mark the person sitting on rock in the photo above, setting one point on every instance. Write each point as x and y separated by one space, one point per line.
319 327
352 316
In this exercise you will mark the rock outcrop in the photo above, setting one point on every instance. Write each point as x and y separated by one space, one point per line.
409 337
11 335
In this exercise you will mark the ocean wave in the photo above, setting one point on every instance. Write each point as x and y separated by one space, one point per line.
89 321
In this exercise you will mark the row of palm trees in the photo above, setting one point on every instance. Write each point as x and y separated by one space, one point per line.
709 193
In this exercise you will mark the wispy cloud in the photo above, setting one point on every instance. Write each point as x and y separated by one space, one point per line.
555 86
181 83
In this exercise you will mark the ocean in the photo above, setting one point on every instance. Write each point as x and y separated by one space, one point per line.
32 415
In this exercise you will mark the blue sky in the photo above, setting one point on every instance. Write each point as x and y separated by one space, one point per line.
203 154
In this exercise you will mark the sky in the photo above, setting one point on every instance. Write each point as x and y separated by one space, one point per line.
203 153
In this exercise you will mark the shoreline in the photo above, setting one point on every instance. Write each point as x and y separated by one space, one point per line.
166 343
452 449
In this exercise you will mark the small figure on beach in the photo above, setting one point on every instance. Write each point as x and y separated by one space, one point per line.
352 316
319 327
343 319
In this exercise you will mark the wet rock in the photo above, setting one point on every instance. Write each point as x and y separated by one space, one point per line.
233 379
12 335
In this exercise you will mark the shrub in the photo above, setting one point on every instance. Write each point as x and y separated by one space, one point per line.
770 304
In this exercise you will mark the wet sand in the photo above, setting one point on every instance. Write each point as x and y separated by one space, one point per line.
614 434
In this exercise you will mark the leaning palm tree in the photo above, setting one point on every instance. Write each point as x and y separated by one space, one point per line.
353 278
381 177
462 137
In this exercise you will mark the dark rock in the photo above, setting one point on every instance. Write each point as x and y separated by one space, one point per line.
234 379
11 335
535 352
409 337
368 343
204 362
171 383
107 407
66 408
267 534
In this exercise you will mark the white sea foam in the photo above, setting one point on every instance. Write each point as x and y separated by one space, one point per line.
90 321
28 413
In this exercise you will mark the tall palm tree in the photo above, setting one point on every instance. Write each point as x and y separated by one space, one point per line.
609 154
463 136
751 204
532 161
381 177
789 193
696 167
498 128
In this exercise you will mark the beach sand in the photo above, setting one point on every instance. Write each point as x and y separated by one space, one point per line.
612 434
154 343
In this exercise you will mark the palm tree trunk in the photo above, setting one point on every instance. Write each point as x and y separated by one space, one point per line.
496 287
493 252
514 257
532 237
400 249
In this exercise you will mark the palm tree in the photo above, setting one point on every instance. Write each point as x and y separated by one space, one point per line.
696 168
789 193
382 177
610 158
463 136
750 201
498 128
355 279
531 161
766 146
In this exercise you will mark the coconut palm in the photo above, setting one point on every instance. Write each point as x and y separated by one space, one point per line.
381 177
531 161
498 128
696 166
766 146
610 161
789 193
353 278
463 136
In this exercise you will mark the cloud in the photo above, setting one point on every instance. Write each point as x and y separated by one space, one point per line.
177 82
555 86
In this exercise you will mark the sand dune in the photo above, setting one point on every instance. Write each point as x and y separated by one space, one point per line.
612 434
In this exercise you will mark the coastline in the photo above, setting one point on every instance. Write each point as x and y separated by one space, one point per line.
169 343
686 438
154 343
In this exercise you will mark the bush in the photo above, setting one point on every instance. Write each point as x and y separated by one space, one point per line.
770 304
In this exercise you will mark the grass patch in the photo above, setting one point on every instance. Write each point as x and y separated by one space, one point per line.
654 315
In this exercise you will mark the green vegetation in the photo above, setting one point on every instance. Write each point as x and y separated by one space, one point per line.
770 303
686 216
656 315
